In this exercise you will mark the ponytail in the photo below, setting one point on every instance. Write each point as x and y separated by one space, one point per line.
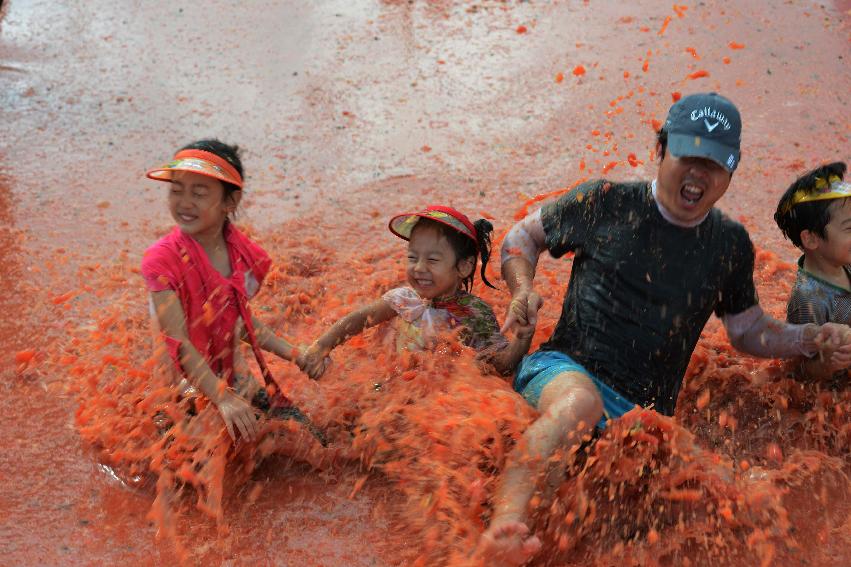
483 234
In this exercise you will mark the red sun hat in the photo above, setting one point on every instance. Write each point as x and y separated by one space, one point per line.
402 225
200 162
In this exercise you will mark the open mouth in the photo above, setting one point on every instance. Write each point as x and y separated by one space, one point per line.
691 193
186 218
423 283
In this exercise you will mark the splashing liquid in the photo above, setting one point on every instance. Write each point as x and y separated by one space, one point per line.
752 470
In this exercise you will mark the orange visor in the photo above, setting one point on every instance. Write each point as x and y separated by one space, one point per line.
200 162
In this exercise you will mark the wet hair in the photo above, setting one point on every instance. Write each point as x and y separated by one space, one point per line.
225 151
464 247
812 215
662 139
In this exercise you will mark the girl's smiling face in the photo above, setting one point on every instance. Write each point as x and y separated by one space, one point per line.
198 205
433 270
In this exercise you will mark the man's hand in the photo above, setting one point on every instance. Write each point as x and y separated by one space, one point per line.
238 413
313 361
523 310
833 341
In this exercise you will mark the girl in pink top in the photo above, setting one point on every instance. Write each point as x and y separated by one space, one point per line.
201 276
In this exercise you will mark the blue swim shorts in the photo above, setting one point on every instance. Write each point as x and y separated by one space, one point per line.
538 369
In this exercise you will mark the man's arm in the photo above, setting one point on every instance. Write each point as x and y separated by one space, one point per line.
520 250
754 332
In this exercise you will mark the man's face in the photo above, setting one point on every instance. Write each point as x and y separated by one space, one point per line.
689 186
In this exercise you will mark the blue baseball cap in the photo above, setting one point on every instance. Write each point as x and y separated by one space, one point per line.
705 125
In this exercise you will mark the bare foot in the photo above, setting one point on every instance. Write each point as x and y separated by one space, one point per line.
506 544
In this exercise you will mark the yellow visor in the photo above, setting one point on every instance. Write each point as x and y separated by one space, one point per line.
833 188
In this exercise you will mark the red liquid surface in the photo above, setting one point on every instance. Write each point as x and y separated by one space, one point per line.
348 114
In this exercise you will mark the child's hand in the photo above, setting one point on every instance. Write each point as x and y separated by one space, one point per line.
834 342
236 411
524 332
313 361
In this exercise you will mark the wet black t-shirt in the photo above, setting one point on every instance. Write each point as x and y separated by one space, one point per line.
641 289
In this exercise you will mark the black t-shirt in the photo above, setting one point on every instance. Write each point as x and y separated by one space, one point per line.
641 289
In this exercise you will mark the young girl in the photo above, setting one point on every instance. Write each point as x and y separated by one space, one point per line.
201 276
443 247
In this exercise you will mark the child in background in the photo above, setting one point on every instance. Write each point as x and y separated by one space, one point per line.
201 276
815 214
443 248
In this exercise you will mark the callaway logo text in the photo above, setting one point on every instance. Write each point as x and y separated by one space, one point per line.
708 112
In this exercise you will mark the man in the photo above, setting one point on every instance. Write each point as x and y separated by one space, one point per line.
652 262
